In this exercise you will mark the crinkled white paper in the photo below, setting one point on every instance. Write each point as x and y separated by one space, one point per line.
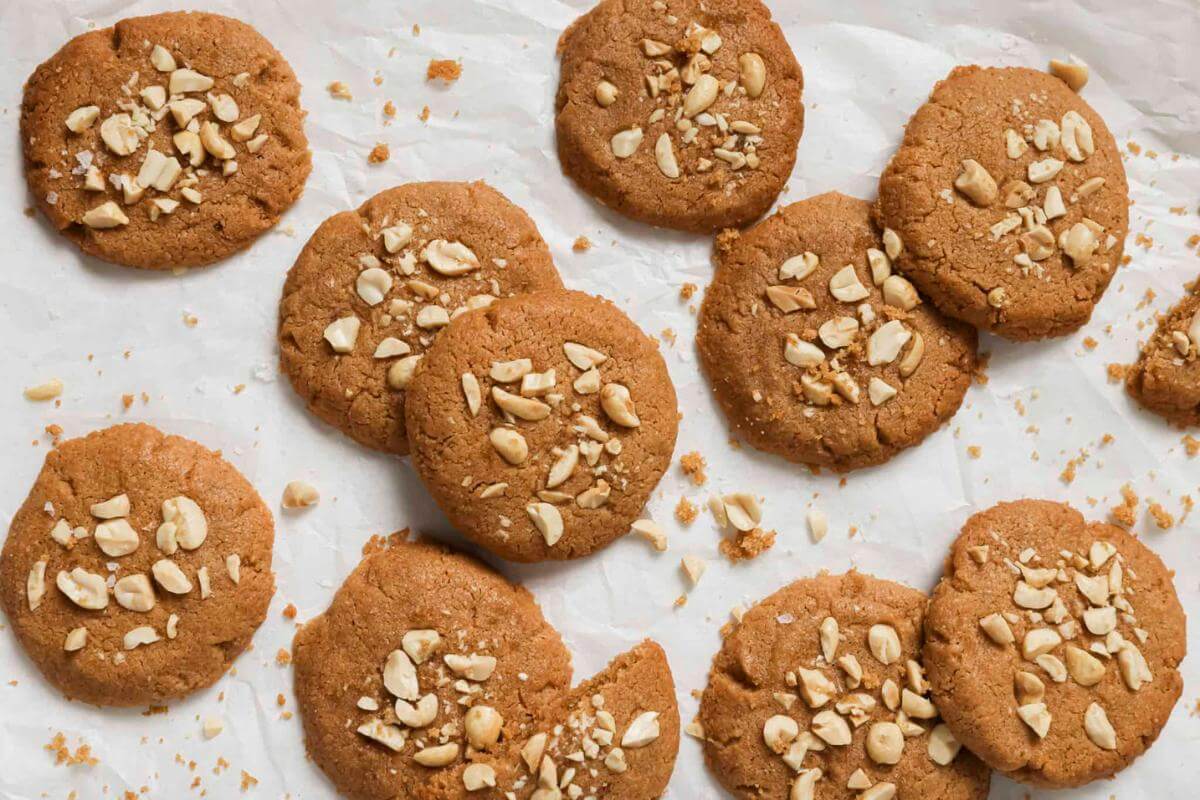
107 331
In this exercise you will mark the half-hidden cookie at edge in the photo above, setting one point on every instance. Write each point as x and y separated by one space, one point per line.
373 287
683 114
816 352
1010 198
138 568
542 423
172 140
431 677
1166 377
818 693
1053 644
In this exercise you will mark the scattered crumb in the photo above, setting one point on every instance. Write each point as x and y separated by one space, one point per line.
1191 445
248 780
975 451
747 545
693 465
191 320
389 109
416 29
1089 343
379 153
63 755
339 91
1162 518
1126 513
283 657
126 401
686 511
443 69
687 291
1116 372
424 115
981 365
582 244
668 336
289 611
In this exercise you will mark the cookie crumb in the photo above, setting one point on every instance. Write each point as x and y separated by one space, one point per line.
747 545
289 611
424 115
1089 343
339 91
248 780
693 465
974 451
1116 372
1126 513
668 336
379 153
283 657
1162 518
686 511
389 109
63 755
443 69
1191 445
687 291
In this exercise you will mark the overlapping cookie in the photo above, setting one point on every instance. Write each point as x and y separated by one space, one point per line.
682 114
138 567
542 423
1166 377
818 692
171 140
1053 644
432 677
817 351
373 287
1009 196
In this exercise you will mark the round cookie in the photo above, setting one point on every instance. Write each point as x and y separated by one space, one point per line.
138 568
431 677
166 141
373 286
680 115
817 692
1009 196
1052 643
816 377
1166 377
541 424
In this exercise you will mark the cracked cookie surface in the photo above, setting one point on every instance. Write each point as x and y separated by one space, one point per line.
679 114
542 423
1010 197
816 352
431 677
165 141
1053 643
817 691
373 287
138 568
1166 377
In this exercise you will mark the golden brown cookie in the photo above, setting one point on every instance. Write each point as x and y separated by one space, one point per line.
816 351
681 114
373 287
1053 644
818 692
1009 197
431 677
542 423
172 140
138 568
1166 377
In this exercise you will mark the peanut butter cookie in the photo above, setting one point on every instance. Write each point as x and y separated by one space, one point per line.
172 140
374 286
1166 377
1053 644
1009 198
816 351
431 677
681 114
138 568
542 423
818 693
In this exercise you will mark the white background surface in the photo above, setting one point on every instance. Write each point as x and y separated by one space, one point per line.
867 66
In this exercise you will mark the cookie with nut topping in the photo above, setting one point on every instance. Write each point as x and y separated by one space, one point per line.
431 677
138 568
373 287
166 141
1053 644
1166 377
542 423
818 692
678 113
1009 198
817 351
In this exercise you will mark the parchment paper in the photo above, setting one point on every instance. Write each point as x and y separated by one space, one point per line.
106 331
